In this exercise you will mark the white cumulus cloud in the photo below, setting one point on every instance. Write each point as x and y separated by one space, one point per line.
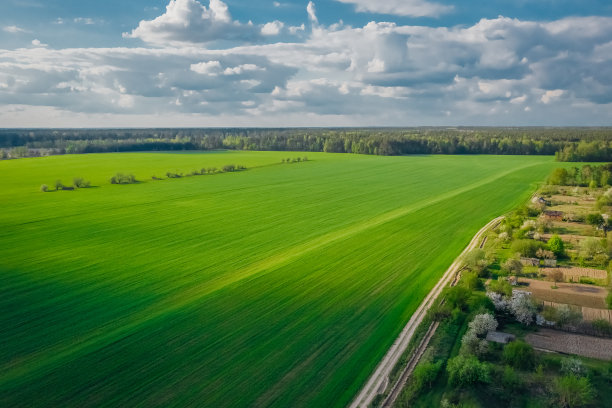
272 28
188 21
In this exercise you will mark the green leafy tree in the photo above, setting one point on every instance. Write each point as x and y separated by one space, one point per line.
467 370
559 177
556 245
457 296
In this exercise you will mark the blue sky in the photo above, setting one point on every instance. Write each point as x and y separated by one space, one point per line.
68 63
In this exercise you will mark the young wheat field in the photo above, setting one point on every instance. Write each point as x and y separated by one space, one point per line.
279 286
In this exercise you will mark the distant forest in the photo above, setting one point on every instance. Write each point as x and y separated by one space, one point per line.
568 144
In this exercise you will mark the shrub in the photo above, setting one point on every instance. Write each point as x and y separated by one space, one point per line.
513 266
471 281
594 219
59 185
439 312
526 247
211 170
467 370
567 315
519 355
457 296
590 247
510 379
44 188
602 326
79 182
475 260
574 391
304 158
425 374
573 366
501 286
173 175
229 168
121 178
556 245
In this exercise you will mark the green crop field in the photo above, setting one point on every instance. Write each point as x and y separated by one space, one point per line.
279 286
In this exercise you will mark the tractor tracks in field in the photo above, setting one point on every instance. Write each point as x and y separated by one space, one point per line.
379 380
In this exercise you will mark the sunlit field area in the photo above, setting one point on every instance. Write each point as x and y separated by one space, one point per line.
281 285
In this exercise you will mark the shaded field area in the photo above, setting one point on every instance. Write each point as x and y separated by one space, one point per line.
280 286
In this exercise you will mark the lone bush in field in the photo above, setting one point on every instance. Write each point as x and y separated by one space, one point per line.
79 182
519 354
44 188
121 178
59 185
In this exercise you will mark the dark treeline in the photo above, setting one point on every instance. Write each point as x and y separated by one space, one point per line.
568 144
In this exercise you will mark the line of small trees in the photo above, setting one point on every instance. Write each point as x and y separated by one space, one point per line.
228 168
121 178
77 182
294 160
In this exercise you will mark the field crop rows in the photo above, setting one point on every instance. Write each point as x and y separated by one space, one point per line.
282 285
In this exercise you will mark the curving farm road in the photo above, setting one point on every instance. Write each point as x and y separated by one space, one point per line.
378 381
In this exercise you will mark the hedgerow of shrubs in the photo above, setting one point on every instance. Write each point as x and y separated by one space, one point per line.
77 182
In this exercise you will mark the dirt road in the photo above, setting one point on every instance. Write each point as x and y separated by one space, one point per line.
379 380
